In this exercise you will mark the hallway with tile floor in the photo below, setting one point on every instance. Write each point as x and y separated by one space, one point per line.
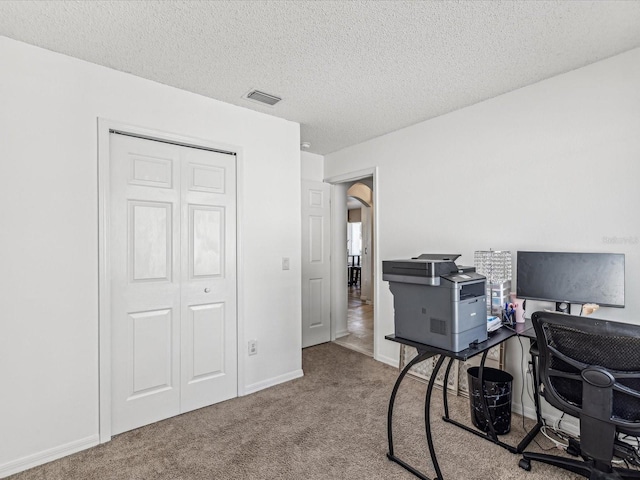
359 324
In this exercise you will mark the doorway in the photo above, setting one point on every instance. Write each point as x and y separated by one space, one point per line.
359 334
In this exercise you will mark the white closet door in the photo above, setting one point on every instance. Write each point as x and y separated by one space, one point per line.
209 366
154 273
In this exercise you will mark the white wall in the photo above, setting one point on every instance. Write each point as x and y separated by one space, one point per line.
49 240
311 166
552 166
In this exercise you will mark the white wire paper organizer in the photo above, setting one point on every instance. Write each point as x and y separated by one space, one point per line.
495 265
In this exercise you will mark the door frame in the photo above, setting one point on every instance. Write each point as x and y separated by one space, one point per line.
105 127
351 177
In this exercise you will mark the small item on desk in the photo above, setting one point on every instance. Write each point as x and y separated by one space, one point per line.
509 314
519 306
493 323
589 308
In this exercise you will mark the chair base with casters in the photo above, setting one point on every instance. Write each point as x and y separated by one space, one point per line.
590 369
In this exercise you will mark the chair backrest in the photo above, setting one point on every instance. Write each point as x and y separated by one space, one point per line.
590 368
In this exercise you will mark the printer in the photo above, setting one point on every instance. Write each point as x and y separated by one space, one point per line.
436 302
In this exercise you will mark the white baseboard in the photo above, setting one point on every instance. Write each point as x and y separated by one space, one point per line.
528 411
270 382
393 362
568 423
342 333
46 456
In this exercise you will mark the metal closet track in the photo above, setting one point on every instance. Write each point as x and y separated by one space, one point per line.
162 140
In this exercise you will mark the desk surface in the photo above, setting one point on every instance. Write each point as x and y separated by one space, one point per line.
526 329
495 338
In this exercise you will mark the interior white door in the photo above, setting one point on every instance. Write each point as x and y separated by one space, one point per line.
208 334
164 213
316 264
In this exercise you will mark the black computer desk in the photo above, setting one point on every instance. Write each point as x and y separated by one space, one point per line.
427 351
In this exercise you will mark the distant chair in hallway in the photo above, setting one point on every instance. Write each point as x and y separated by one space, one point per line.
354 270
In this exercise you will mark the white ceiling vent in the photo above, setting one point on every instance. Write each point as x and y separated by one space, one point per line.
261 97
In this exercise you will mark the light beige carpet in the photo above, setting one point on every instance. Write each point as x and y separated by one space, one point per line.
329 424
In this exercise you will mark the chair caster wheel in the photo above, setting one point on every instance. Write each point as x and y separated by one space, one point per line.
525 464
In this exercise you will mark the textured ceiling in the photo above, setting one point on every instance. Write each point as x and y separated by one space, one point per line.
347 71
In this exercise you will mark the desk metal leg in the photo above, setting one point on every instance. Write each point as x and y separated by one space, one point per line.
536 400
491 434
445 401
483 400
390 455
420 358
427 416
425 352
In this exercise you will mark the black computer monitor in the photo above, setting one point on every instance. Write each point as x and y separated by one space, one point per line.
571 277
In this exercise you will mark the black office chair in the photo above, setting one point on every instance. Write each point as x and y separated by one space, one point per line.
590 369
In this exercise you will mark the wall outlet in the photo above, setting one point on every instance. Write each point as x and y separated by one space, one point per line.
285 263
253 347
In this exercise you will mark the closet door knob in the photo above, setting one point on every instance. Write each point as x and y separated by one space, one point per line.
207 290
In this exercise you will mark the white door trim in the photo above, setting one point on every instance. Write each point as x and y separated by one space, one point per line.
105 126
377 266
353 176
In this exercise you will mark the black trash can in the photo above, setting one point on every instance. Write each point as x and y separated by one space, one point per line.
497 391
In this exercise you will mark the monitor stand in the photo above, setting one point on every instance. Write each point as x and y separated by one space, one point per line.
563 307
